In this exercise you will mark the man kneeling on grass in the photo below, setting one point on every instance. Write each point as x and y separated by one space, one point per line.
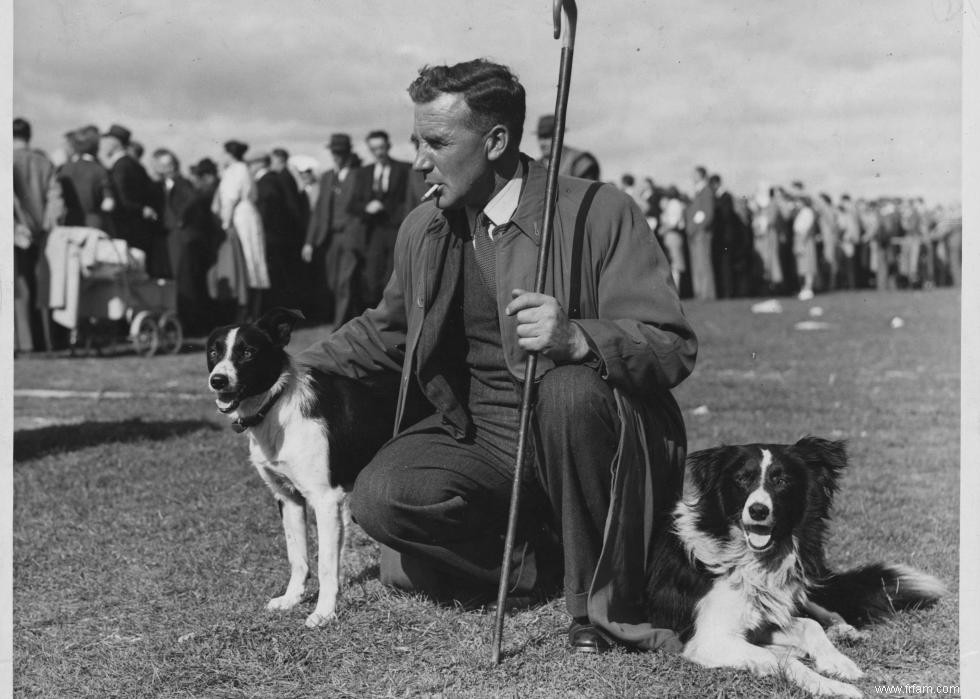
457 322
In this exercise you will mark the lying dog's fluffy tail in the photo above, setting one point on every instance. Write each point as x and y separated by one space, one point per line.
876 591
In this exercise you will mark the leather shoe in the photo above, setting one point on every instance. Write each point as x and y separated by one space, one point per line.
583 637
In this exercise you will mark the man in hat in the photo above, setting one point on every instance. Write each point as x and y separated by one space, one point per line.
574 163
379 201
334 237
456 322
135 215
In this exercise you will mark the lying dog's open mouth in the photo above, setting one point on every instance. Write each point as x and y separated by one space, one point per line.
758 537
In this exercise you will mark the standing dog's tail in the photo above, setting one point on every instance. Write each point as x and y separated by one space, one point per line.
876 591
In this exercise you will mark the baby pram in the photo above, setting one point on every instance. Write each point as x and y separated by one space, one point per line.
101 292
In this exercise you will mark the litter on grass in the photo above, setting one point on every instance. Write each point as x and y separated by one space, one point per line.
816 312
769 306
700 410
812 325
897 323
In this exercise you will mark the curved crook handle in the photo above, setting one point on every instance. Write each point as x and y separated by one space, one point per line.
571 13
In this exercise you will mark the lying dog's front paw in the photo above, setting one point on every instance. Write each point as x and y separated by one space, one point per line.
283 603
318 619
840 665
846 690
845 633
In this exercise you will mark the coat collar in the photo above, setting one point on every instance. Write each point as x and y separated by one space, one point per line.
530 209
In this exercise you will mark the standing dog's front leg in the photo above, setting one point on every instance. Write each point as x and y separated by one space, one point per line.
328 507
292 508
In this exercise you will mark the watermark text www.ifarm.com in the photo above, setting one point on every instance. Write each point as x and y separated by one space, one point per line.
918 689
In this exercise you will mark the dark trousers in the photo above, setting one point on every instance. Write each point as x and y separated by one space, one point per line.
378 262
442 504
343 268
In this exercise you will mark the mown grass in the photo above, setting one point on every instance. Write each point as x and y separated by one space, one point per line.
145 547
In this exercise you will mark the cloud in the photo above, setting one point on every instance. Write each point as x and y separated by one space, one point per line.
754 89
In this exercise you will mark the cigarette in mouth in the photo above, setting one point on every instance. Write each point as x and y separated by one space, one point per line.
433 190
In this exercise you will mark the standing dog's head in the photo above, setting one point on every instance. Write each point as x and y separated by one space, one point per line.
247 360
770 494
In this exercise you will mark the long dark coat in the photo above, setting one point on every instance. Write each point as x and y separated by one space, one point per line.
632 317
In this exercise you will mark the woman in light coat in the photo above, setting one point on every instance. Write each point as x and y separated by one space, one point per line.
234 204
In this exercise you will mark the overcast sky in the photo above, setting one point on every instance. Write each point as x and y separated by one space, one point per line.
848 96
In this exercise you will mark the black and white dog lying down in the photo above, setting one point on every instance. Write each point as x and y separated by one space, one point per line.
310 434
740 570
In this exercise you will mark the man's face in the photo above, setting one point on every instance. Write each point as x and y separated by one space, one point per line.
379 148
109 146
205 181
451 154
340 159
165 166
545 145
277 164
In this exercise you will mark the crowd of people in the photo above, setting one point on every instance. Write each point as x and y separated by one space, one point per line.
788 240
252 231
261 229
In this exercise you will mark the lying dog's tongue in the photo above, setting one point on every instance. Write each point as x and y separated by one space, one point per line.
758 538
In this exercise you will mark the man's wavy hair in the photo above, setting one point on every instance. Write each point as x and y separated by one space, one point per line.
491 91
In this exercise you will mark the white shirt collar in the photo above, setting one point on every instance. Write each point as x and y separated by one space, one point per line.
501 208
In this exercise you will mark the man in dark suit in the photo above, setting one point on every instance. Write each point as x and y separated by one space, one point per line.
379 201
205 236
296 208
699 222
277 221
334 238
134 216
298 218
726 240
187 255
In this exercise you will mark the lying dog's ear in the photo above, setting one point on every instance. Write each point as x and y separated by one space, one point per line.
278 323
826 458
703 469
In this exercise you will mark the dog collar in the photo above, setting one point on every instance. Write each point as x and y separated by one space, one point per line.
243 423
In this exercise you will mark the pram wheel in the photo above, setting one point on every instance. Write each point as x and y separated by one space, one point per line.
171 333
144 334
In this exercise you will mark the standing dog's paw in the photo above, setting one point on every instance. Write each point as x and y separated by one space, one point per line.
283 603
318 619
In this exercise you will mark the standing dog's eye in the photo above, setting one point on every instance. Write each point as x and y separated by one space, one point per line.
213 353
779 481
246 354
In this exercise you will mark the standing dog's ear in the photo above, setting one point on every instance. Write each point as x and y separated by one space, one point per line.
278 323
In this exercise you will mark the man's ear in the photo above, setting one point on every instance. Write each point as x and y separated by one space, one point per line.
498 139
279 323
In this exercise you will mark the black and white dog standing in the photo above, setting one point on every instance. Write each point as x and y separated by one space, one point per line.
310 434
740 572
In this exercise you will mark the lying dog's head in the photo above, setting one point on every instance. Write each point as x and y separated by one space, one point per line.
770 494
247 360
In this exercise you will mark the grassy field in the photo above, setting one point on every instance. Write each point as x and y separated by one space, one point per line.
145 547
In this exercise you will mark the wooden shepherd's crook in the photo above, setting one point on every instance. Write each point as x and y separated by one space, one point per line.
551 199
